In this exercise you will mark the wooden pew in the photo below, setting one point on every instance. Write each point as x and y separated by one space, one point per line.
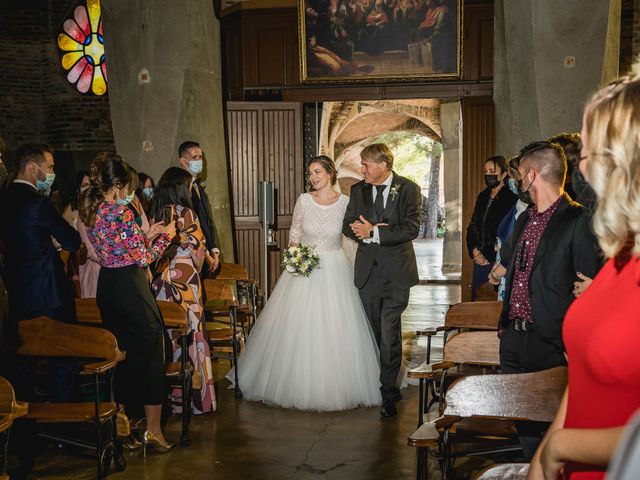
462 351
465 315
221 302
44 337
525 396
10 410
238 274
175 318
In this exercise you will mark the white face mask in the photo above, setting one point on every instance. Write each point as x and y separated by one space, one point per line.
195 167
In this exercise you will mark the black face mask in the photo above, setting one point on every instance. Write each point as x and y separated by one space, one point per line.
491 180
525 195
584 193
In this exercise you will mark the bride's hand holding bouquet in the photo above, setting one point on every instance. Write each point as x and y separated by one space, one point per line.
300 260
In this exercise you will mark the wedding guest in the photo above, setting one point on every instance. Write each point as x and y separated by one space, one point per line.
602 326
80 184
34 272
145 191
179 281
491 206
124 298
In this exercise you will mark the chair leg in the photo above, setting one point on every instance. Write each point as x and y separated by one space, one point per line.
421 405
234 344
187 388
118 454
5 452
421 467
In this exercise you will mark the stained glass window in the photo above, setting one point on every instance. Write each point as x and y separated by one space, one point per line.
82 49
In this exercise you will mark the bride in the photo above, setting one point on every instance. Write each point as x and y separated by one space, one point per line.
312 347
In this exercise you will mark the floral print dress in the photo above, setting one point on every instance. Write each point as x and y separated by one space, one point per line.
180 283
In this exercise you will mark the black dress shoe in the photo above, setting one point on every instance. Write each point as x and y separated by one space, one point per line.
388 409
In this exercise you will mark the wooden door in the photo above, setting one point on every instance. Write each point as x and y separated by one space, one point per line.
265 144
478 144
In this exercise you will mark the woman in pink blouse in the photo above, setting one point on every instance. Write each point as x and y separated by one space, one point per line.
127 306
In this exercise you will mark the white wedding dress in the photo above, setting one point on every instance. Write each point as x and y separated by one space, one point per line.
312 347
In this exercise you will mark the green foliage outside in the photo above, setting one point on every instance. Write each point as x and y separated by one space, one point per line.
412 154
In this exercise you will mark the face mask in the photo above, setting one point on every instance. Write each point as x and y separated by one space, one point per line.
525 195
147 192
584 193
44 185
125 201
195 167
513 186
491 180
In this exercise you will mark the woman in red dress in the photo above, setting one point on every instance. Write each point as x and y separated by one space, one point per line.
602 327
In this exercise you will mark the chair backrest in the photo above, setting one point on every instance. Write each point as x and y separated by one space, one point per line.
173 314
474 315
87 311
232 271
44 337
7 397
474 348
486 292
521 396
219 290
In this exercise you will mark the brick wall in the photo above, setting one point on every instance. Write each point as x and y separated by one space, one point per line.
36 101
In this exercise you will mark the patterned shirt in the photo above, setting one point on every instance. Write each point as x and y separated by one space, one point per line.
120 242
525 252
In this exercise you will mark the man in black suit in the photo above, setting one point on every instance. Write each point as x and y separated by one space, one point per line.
190 158
34 272
551 242
383 216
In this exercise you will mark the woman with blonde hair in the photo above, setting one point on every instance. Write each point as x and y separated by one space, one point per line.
602 326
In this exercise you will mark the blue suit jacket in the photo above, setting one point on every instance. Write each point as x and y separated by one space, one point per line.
34 273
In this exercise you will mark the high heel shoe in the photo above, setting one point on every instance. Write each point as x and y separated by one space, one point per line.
158 446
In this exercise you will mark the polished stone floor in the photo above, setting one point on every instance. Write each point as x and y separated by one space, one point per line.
248 440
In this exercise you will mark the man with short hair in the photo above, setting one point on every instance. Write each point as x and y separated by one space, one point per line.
34 273
383 216
190 158
551 242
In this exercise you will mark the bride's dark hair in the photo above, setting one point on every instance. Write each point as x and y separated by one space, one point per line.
328 166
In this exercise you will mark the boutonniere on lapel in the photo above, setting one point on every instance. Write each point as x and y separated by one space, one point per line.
395 189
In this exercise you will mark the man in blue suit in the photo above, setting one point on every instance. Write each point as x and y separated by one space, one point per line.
34 273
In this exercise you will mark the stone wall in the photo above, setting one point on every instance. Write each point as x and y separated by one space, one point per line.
36 101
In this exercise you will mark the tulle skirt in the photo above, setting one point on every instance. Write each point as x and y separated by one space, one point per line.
312 347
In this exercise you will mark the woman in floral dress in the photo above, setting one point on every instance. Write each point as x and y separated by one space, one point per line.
179 282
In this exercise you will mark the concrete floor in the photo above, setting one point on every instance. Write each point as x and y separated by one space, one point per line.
249 440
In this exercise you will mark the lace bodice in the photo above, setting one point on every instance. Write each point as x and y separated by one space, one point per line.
318 225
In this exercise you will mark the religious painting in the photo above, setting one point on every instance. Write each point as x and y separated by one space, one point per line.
348 41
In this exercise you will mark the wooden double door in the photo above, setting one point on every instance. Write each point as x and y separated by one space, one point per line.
265 144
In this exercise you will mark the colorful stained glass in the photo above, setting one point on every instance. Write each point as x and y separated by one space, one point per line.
82 49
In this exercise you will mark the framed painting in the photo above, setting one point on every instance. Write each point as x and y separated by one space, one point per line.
390 41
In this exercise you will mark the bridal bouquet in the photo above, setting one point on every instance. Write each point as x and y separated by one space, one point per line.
300 260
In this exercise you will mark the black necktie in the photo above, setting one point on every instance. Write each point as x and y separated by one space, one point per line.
378 204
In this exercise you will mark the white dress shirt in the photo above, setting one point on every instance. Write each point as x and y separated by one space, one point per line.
385 195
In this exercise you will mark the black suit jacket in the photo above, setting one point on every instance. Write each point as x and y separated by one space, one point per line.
203 210
395 250
482 230
34 273
567 246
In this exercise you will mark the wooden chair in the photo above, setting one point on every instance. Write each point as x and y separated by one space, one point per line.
175 318
486 293
221 302
525 396
465 315
44 337
247 313
467 349
10 410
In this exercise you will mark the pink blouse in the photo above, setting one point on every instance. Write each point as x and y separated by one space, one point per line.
118 240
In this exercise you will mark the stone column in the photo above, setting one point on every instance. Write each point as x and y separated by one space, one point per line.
549 57
164 77
451 125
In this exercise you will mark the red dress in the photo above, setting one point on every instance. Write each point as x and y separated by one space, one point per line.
602 337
